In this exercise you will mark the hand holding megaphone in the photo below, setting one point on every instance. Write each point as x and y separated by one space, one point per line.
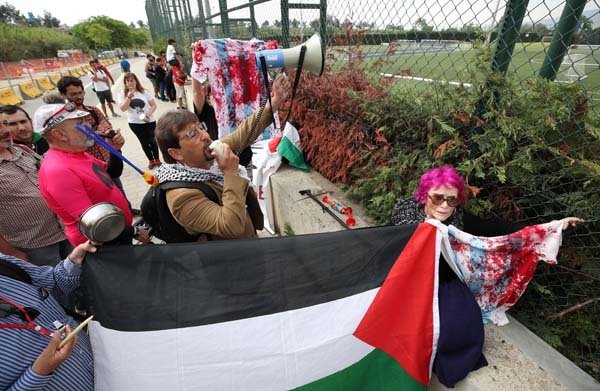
281 91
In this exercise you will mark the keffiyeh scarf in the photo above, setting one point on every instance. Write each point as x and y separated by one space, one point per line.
181 172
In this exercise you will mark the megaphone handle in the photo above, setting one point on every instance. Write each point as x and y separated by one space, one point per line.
296 81
263 65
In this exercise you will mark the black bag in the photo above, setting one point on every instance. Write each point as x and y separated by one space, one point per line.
157 215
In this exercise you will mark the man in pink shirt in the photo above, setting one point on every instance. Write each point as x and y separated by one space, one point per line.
71 180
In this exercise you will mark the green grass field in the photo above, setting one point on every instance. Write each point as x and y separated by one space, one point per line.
459 65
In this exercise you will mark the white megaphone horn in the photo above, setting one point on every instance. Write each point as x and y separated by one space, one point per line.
314 58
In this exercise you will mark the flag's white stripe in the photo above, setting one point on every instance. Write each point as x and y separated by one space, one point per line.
274 352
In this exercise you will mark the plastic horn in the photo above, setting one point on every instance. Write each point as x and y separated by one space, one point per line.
335 205
149 177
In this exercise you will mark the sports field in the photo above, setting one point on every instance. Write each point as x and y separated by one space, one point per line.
456 62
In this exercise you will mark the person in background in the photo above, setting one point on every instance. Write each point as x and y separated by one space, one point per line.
151 73
170 55
140 107
125 65
441 195
29 229
179 79
160 72
18 122
102 87
169 86
112 80
31 358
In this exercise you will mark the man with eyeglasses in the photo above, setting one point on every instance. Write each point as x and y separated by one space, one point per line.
19 124
33 323
71 181
184 143
29 229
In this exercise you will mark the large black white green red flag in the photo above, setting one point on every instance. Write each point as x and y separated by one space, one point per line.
350 310
345 310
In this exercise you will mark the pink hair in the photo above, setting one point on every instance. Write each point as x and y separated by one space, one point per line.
437 177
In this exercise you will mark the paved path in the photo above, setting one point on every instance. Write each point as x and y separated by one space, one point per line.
134 184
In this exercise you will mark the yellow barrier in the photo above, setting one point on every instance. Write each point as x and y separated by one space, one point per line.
87 68
76 72
55 77
29 90
8 97
45 84
65 73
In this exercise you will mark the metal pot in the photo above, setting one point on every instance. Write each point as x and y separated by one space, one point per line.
102 222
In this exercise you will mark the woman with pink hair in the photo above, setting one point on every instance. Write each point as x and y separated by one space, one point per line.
440 195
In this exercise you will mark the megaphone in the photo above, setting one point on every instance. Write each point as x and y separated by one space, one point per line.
314 58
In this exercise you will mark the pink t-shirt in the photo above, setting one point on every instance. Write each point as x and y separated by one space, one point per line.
71 182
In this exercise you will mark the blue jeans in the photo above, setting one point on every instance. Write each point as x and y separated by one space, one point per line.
161 89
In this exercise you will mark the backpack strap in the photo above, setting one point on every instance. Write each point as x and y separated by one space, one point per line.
10 270
206 189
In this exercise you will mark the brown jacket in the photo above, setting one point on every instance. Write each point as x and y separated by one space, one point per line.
231 219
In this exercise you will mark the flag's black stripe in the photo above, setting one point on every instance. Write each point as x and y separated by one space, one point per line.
141 288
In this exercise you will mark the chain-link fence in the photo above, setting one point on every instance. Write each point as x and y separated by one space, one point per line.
546 134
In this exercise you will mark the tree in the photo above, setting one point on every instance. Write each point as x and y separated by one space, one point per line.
9 14
141 23
131 25
295 23
265 24
104 32
315 24
50 21
421 24
141 37
277 23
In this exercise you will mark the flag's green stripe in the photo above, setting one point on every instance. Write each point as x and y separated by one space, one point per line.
375 372
292 154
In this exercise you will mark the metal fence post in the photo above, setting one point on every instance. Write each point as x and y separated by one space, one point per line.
561 39
508 34
224 18
323 21
285 24
201 17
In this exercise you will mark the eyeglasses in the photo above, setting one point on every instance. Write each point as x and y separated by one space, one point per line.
68 107
438 199
192 133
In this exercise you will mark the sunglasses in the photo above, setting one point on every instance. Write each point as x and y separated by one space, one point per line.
438 199
192 133
68 107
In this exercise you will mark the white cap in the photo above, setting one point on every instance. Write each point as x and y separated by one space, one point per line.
47 117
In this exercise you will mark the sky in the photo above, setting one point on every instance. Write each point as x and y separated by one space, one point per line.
440 13
73 12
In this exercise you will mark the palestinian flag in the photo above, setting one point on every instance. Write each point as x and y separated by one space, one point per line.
349 310
290 148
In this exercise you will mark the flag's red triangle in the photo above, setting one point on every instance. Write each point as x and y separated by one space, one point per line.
400 321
